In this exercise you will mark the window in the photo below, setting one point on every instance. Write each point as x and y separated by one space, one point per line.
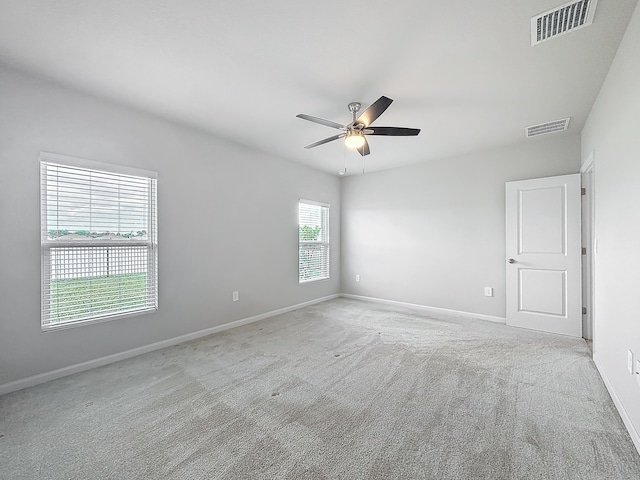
313 241
99 241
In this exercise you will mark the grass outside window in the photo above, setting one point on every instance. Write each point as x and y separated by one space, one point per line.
89 297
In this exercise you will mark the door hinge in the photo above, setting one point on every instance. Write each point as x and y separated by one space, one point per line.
583 191
584 310
584 250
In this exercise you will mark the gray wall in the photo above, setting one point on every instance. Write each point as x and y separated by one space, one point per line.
612 134
434 234
227 221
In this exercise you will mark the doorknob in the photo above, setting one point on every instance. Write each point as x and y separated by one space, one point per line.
511 260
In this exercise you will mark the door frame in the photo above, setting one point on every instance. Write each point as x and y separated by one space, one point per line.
587 176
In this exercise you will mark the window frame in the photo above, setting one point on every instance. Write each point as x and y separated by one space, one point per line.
151 243
325 243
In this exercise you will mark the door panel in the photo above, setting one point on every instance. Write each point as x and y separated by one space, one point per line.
540 229
543 291
543 248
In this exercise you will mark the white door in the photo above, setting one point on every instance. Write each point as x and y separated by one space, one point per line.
544 255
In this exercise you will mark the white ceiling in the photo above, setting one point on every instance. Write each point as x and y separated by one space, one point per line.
462 71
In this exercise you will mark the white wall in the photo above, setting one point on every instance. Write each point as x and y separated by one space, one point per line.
433 234
612 134
227 221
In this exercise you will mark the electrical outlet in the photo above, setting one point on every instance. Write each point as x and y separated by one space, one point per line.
357 277
488 292
235 296
630 361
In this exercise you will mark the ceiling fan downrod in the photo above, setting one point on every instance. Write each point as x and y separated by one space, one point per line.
354 108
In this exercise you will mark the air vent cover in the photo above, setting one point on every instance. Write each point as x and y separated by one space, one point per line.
563 19
549 127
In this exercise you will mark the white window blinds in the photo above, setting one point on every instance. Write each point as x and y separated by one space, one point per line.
313 241
99 241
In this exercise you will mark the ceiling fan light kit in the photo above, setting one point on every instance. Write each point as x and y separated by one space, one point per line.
355 132
354 140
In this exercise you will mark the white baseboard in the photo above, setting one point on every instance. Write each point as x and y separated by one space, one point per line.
621 410
99 362
426 308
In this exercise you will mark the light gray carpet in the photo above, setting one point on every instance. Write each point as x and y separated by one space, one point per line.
340 390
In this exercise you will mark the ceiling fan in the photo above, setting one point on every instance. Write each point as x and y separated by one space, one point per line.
354 132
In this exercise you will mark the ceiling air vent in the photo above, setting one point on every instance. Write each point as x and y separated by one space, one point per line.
549 127
563 19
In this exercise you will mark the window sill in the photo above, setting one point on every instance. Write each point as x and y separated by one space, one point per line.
81 323
313 280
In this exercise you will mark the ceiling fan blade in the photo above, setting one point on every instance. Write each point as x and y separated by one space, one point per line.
326 140
321 121
376 109
395 131
364 149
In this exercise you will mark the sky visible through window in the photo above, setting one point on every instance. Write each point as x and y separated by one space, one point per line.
94 204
